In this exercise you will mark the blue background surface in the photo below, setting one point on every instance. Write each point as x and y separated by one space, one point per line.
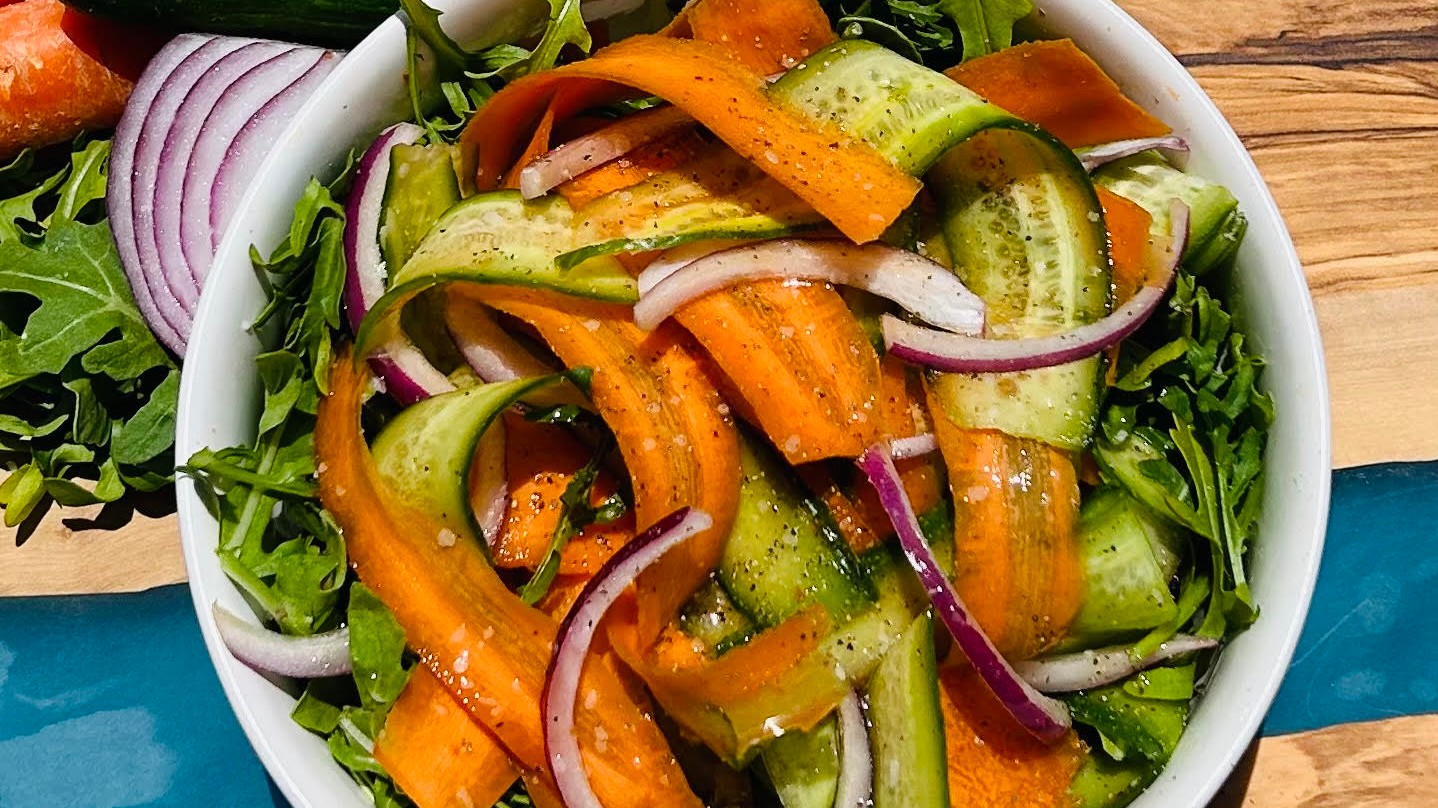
110 701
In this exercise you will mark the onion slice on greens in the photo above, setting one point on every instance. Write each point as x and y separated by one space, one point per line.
564 163
1082 670
268 651
928 290
1105 153
407 375
959 353
856 757
1044 718
576 633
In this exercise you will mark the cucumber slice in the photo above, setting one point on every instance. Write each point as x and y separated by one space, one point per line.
422 186
1027 235
907 724
779 556
424 453
1129 555
1216 225
712 618
803 767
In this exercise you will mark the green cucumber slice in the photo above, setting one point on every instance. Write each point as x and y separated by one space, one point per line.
906 724
424 453
779 556
1216 225
422 185
803 767
712 618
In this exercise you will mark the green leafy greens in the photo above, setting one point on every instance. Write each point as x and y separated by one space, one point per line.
86 393
934 33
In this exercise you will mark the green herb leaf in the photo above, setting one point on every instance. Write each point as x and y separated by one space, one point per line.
986 26
376 648
566 27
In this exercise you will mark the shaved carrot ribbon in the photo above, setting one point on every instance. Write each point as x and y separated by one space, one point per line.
485 646
1057 86
814 159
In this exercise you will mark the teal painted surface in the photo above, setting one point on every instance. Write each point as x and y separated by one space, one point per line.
111 701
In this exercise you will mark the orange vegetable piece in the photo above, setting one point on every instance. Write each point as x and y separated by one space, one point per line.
437 754
1015 514
542 459
679 446
799 359
633 168
538 144
486 647
813 159
767 35
1130 244
62 73
1057 86
993 761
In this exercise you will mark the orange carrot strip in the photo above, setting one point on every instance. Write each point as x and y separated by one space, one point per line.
1057 86
538 144
486 647
799 359
767 35
57 76
815 160
542 459
1128 249
991 759
437 754
639 165
679 446
1015 513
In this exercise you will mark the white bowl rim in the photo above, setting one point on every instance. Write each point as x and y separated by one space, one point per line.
285 753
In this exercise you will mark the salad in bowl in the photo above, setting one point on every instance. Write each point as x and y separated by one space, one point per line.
760 403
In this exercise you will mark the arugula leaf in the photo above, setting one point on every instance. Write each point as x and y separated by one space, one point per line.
376 648
85 390
930 32
576 513
566 27
986 25
1132 725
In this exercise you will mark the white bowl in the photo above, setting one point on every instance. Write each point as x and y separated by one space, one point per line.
219 399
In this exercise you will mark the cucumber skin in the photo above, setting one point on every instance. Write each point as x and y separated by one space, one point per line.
803 767
907 724
339 23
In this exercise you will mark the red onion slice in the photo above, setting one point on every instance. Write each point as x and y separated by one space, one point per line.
958 353
1087 669
1105 153
251 94
675 259
407 375
180 274
489 351
576 633
121 180
1045 718
856 757
489 482
921 286
564 163
255 139
916 446
153 135
268 651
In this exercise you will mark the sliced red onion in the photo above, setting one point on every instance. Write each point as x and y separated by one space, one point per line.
121 180
180 130
1045 718
489 482
576 633
675 259
564 163
268 651
364 212
489 351
181 276
916 446
856 758
408 376
255 139
1067 673
1099 155
958 353
254 93
154 133
921 286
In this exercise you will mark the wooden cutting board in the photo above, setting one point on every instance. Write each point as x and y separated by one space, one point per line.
1338 102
